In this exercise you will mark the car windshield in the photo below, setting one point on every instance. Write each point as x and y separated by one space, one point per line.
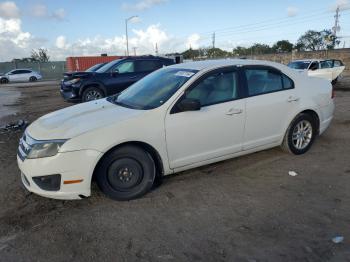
153 90
107 66
93 68
299 64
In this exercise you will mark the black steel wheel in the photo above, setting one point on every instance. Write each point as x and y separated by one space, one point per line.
126 173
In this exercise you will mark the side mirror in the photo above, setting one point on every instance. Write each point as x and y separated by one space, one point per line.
115 73
189 104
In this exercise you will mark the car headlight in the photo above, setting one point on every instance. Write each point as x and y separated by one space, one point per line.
45 148
73 81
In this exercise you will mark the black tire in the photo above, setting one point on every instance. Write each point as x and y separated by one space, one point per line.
4 80
335 81
32 79
126 173
92 93
290 143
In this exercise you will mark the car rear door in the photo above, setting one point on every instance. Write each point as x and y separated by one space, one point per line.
145 66
272 101
25 75
216 129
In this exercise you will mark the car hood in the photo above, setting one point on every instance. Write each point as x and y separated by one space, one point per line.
72 75
76 120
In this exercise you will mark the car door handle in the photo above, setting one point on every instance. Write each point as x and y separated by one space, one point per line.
234 111
292 99
132 77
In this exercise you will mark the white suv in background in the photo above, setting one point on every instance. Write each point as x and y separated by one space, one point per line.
20 75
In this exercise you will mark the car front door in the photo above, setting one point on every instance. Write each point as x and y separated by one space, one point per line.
120 77
272 101
213 131
14 75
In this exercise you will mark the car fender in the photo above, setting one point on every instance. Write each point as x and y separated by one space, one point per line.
94 83
125 131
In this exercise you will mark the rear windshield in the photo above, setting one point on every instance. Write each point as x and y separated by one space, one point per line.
299 64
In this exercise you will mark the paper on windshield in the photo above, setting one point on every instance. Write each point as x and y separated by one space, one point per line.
184 73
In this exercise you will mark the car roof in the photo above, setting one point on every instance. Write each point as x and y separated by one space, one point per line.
211 64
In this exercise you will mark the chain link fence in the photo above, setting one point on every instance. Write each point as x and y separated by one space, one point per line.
49 70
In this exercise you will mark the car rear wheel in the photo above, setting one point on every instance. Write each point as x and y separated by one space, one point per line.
300 134
32 79
92 93
126 173
4 80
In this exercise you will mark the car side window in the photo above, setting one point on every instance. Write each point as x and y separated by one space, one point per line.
147 65
262 81
337 63
15 72
314 66
126 67
326 64
215 88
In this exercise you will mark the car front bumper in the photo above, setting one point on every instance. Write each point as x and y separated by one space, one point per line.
69 93
71 166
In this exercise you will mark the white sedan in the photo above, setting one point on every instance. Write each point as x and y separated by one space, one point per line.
20 75
177 118
330 69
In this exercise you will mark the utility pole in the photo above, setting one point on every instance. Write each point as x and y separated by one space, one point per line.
157 49
134 50
213 40
336 26
126 32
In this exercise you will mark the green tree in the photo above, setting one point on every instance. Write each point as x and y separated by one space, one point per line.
40 56
282 46
317 40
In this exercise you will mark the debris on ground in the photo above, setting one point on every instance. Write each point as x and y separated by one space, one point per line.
14 126
337 239
292 173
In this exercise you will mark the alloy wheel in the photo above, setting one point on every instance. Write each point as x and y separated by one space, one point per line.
302 134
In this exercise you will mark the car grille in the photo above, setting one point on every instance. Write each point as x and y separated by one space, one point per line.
25 146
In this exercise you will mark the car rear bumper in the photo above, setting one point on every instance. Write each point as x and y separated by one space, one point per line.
75 170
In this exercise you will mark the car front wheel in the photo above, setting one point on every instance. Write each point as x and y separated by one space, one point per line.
300 134
126 173
4 80
92 93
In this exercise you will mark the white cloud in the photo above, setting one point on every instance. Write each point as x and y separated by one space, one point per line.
41 11
61 42
292 11
342 4
9 10
144 40
59 14
142 5
14 43
193 41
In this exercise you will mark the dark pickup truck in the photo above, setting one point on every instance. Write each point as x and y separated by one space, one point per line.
110 79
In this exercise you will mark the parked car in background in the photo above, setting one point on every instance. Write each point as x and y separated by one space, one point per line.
176 118
329 69
20 75
109 79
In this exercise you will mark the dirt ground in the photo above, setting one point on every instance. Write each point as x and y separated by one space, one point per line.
245 209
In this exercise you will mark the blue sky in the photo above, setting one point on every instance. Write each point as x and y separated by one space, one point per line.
77 27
